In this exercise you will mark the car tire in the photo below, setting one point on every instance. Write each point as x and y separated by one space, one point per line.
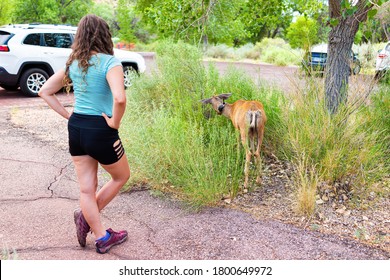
32 80
129 74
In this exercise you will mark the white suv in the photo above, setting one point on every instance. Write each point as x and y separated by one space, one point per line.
31 53
382 63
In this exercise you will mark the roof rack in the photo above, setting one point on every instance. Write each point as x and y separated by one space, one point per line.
41 26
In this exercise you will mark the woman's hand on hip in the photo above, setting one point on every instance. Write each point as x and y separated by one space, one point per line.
110 121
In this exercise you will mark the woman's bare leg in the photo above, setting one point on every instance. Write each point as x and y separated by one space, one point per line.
86 169
120 173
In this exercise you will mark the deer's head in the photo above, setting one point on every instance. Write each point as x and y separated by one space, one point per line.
217 102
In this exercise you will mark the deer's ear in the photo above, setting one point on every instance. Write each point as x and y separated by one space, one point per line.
224 96
206 101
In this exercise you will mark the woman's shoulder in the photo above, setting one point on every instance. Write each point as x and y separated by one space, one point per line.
107 57
108 61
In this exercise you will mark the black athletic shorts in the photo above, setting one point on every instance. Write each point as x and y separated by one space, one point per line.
91 135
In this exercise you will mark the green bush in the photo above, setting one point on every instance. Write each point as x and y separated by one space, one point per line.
303 33
351 145
175 142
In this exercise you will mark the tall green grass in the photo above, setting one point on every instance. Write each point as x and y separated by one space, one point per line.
176 143
349 146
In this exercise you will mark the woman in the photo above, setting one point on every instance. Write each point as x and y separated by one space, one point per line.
100 101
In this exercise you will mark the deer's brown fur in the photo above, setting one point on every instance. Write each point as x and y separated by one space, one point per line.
249 118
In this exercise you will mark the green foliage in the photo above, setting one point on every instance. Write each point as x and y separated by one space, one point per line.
50 11
126 17
264 18
106 12
175 141
347 145
193 21
275 51
303 33
278 52
6 7
177 144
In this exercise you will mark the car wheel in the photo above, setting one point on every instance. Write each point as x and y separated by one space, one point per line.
129 74
32 80
9 87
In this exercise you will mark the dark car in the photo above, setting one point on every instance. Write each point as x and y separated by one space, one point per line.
317 59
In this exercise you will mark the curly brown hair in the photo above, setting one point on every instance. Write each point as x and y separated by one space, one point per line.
93 35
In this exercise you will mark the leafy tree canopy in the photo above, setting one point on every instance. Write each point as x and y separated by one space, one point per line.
193 21
303 33
50 11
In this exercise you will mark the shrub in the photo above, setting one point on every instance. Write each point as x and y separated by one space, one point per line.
350 145
179 144
303 33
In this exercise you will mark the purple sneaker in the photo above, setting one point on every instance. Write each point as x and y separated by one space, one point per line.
82 227
115 238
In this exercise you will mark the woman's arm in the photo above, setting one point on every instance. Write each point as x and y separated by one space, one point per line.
50 88
116 81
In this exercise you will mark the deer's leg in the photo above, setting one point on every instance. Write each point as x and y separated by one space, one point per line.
257 156
248 155
238 143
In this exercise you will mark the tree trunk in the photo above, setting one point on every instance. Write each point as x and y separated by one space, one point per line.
338 63
340 43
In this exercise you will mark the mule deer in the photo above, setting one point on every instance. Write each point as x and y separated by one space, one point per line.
249 118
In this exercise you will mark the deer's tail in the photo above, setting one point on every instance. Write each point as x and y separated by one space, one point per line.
254 118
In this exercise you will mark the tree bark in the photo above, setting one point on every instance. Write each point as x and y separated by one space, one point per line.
340 43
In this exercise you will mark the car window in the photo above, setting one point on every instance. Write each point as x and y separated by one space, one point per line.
387 48
4 36
58 40
33 39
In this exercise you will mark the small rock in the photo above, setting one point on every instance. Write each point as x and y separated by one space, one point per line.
341 210
347 213
319 201
228 200
365 218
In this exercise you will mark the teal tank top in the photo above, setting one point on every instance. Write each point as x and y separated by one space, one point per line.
92 92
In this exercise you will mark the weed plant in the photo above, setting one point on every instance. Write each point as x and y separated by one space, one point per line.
179 145
176 142
7 253
349 146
